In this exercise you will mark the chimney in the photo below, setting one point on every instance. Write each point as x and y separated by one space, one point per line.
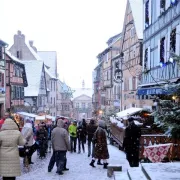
19 32
31 43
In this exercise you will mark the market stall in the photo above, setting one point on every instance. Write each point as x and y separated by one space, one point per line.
119 123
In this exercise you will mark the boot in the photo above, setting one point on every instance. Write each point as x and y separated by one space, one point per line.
105 165
92 163
99 162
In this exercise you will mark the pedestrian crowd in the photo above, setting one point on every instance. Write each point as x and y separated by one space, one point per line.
63 136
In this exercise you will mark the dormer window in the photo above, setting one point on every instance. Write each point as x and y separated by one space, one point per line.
18 54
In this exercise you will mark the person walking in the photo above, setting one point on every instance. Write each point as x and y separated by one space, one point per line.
131 143
42 140
100 149
10 139
81 135
91 129
73 135
60 145
27 133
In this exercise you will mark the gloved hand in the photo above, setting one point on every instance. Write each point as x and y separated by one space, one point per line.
73 133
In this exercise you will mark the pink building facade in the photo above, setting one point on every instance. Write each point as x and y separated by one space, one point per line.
15 82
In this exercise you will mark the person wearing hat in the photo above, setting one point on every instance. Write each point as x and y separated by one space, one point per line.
73 135
131 143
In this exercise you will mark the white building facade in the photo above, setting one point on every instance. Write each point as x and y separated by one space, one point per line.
161 42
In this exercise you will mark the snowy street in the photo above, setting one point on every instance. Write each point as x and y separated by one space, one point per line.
78 165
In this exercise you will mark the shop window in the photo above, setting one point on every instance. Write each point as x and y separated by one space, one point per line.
173 41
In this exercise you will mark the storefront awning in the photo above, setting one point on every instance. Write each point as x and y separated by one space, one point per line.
27 114
128 112
152 91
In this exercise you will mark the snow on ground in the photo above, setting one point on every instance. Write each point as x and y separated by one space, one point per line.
78 165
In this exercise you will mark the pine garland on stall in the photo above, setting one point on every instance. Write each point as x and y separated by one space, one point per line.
167 115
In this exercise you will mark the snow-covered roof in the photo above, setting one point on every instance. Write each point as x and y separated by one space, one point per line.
50 59
13 57
128 112
33 73
34 53
49 73
82 91
137 12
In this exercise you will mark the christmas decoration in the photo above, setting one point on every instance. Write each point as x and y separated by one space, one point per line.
167 115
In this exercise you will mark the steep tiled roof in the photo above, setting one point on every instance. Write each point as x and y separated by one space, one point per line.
137 11
50 60
33 73
13 57
49 73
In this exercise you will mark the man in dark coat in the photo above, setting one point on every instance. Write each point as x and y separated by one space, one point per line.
131 143
91 129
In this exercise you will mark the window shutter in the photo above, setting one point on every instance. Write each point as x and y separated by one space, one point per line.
143 57
157 60
165 50
168 45
150 9
14 96
168 3
157 8
12 92
122 84
149 58
2 79
178 40
130 83
136 86
22 92
144 16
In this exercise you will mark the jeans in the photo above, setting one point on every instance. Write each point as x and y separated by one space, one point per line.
89 147
60 158
80 142
73 141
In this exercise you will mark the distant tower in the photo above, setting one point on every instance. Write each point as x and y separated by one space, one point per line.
83 84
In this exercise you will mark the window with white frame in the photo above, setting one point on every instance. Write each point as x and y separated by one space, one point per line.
162 6
162 50
147 14
173 40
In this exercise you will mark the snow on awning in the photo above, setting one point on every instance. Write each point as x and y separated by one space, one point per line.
50 117
40 118
27 114
128 112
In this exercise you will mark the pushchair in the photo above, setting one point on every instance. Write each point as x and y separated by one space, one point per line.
26 152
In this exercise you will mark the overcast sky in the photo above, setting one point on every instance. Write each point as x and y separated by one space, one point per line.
77 29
